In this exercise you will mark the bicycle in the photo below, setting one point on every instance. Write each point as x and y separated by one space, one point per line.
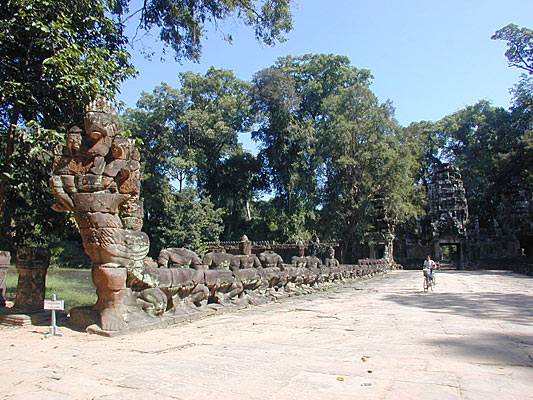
429 279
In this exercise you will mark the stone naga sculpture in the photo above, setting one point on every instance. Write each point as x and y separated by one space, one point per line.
96 176
300 260
246 259
179 258
220 260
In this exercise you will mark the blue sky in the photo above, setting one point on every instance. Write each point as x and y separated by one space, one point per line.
430 58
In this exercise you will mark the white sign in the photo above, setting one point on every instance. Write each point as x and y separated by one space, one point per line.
54 305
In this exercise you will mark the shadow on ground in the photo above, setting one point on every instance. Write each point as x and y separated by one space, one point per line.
509 307
490 348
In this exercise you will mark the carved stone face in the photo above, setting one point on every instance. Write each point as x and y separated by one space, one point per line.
331 252
246 248
101 120
73 141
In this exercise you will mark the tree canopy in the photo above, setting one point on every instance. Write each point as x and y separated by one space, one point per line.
54 58
57 56
328 147
332 159
182 23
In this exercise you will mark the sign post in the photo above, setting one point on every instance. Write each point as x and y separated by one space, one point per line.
54 305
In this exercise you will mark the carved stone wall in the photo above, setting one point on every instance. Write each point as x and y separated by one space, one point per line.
447 205
516 216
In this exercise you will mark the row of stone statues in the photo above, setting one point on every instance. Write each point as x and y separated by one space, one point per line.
96 176
182 279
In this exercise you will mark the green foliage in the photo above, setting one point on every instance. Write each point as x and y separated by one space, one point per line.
191 129
190 137
182 23
238 179
56 56
518 162
520 46
368 171
27 215
68 254
288 98
479 139
329 148
178 219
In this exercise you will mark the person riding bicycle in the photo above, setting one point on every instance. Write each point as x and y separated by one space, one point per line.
429 267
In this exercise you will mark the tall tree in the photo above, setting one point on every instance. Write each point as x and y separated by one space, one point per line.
193 128
369 169
191 139
519 161
289 96
181 23
239 180
173 218
520 46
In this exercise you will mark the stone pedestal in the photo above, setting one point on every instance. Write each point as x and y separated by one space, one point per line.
32 265
5 259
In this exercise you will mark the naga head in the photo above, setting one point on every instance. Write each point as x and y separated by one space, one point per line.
101 119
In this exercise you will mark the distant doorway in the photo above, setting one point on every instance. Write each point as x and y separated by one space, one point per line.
449 255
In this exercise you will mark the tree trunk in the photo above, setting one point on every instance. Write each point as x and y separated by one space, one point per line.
10 149
248 213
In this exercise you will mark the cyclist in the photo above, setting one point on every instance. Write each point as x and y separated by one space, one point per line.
429 266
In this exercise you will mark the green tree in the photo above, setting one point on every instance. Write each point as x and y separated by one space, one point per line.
369 169
479 139
288 97
520 46
519 160
238 181
178 219
173 218
190 137
181 23
55 57
191 130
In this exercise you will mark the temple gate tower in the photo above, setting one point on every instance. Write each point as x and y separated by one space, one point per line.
448 212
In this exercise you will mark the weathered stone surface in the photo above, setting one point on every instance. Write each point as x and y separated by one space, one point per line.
5 260
247 261
98 202
32 265
97 176
430 349
93 183
214 278
178 258
114 245
269 258
124 149
98 220
220 260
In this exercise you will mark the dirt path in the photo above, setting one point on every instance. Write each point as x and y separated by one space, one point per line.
376 339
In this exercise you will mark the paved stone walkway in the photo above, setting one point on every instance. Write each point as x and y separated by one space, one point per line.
381 338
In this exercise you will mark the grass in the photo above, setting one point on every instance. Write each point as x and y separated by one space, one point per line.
72 286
